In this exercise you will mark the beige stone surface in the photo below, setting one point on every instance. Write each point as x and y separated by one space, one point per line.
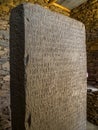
2 53
6 78
6 66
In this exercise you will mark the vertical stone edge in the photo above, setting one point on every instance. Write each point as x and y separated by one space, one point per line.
17 68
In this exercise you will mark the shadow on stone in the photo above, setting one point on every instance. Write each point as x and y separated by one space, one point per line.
17 68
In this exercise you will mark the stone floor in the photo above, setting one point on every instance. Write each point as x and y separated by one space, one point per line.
91 126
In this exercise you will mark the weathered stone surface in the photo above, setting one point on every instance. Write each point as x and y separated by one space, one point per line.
2 53
5 120
5 66
6 78
48 70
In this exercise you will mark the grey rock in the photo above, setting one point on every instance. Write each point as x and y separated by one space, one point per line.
4 72
6 66
6 78
49 90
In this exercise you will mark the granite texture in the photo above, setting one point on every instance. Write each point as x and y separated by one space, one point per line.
48 70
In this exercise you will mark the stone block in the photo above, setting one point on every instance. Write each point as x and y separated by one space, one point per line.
48 70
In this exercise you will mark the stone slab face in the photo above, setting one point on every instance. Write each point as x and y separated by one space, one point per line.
48 70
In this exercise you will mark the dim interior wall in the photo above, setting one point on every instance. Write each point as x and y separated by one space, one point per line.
48 83
5 121
88 14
